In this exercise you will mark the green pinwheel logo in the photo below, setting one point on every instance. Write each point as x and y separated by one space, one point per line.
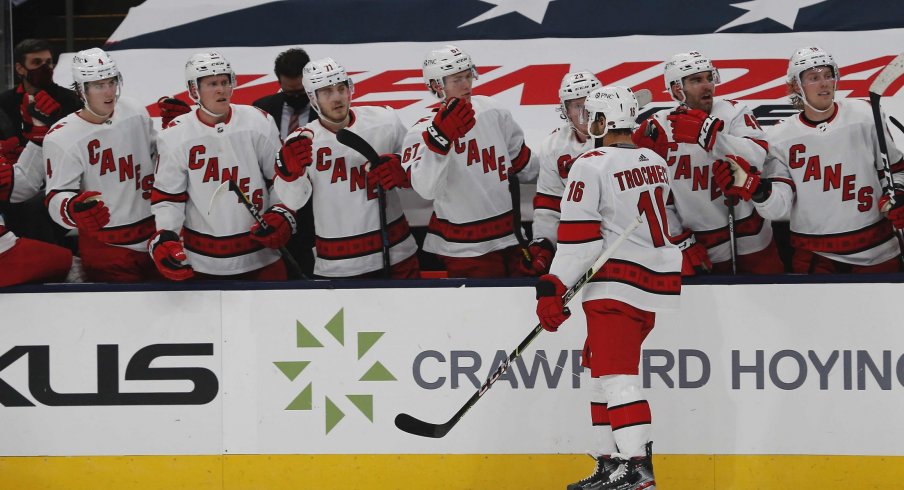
307 341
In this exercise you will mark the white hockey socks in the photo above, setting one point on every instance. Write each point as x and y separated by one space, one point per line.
629 413
599 416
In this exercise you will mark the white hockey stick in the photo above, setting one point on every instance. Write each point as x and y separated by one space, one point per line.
889 75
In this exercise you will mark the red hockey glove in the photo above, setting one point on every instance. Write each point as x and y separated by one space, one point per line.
541 251
171 108
10 149
893 211
295 155
88 211
452 121
36 134
280 227
45 104
550 309
745 180
695 259
695 126
651 135
169 256
6 181
389 173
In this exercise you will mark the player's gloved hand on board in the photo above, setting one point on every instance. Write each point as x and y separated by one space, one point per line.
171 108
894 212
651 135
10 149
695 126
87 211
389 173
695 258
550 309
541 251
296 155
6 180
736 177
45 104
454 118
169 256
280 227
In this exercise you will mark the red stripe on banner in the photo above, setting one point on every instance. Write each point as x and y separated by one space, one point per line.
140 231
226 246
474 231
630 414
598 414
748 226
521 160
845 243
636 275
544 201
579 231
361 245
160 196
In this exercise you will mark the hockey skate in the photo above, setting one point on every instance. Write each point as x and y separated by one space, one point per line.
632 473
604 468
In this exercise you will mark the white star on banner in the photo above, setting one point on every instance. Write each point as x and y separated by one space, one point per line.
782 11
534 10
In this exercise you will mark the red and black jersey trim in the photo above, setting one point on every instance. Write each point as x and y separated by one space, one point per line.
785 181
812 124
361 245
546 201
472 232
64 213
763 143
846 243
575 232
520 160
897 167
140 231
749 226
158 196
599 415
630 414
640 277
219 246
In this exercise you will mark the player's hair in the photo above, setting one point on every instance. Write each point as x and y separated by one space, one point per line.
28 46
290 62
793 96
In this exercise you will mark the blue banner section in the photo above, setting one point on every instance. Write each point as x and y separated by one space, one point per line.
368 21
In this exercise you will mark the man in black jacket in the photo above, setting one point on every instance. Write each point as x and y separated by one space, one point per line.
291 109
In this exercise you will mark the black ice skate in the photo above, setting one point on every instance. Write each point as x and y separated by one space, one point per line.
604 467
631 474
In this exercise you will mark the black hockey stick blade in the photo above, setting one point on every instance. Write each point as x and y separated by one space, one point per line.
418 427
358 144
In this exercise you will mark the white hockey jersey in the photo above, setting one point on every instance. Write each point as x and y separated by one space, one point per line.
606 188
115 158
195 159
699 202
472 205
28 181
347 213
826 180
556 154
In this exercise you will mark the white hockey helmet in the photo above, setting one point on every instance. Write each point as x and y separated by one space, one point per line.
92 65
685 64
321 73
202 65
445 61
617 104
804 59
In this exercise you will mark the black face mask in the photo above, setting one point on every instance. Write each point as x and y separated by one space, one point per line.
41 77
296 100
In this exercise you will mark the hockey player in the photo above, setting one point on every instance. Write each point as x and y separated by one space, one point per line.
346 209
461 158
556 153
199 153
701 131
99 164
823 170
23 260
606 188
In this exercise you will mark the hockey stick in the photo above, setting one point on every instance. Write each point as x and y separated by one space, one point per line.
418 427
357 143
292 268
514 185
732 239
896 123
887 76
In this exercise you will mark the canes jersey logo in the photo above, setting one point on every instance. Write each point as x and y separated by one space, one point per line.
335 351
122 166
